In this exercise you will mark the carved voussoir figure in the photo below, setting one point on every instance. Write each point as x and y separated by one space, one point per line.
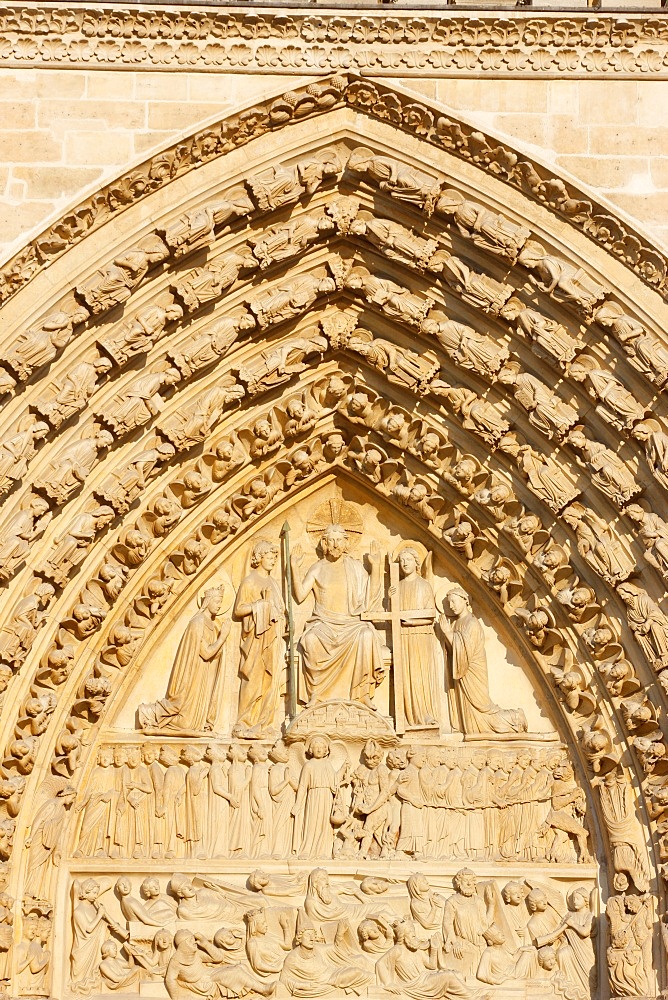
24 527
68 396
214 343
393 177
204 284
18 448
70 467
291 297
40 344
139 333
548 338
487 230
291 239
645 351
193 425
560 278
114 284
616 404
392 299
72 547
139 401
279 364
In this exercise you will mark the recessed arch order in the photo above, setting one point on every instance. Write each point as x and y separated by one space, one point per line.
339 286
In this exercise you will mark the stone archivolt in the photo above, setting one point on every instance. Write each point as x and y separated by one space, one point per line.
379 327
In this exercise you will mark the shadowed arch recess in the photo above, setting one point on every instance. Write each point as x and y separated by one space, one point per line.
386 308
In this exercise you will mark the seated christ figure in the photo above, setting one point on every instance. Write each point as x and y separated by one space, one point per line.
342 655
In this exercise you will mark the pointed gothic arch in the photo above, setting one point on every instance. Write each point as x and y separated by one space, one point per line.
488 264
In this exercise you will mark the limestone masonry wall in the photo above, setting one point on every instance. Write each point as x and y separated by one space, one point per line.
65 132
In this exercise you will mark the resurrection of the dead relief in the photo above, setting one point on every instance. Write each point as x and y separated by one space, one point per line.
335 565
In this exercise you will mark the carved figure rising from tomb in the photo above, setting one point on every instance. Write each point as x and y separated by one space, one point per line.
139 401
653 531
479 290
467 348
647 622
609 472
308 971
406 368
72 547
17 450
194 692
72 465
72 392
291 239
342 654
598 544
572 939
395 241
139 333
487 230
391 176
546 410
290 298
204 284
188 977
558 276
616 404
465 918
410 967
260 608
392 299
549 339
646 351
40 344
213 344
471 710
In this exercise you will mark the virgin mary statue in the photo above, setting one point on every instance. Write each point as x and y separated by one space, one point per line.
195 686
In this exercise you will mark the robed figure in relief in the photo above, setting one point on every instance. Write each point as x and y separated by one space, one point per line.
471 708
259 606
342 654
420 647
195 689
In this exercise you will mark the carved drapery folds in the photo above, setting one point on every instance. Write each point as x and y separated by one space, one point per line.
450 368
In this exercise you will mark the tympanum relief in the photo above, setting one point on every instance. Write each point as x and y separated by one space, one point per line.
332 778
